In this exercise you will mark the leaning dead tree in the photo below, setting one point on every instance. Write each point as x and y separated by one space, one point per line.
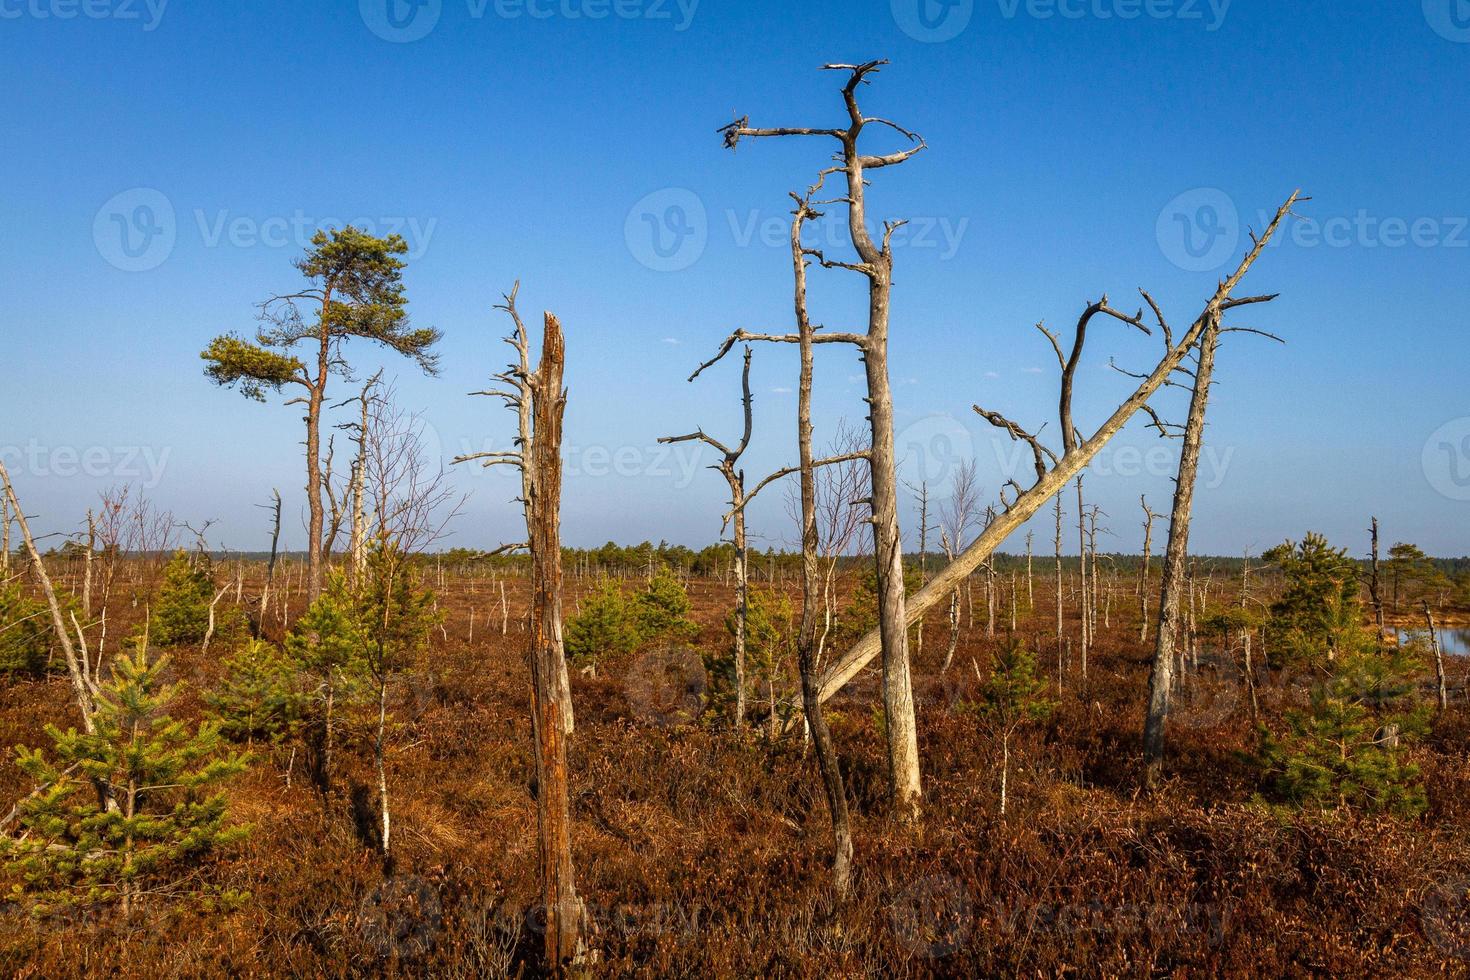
729 468
84 686
518 394
1172 584
1054 472
874 262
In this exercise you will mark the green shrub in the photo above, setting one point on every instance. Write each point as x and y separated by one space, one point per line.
1347 747
160 776
181 614
1014 694
25 633
604 625
661 610
259 697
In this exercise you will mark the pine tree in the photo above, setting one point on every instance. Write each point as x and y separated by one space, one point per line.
1319 611
25 632
327 648
122 812
603 626
395 617
1347 747
181 614
661 611
259 698
770 635
1013 696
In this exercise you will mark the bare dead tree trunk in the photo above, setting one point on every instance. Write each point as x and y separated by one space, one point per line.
1078 452
816 720
1030 592
729 467
87 564
357 543
954 608
1061 638
518 397
923 493
270 568
1373 585
876 265
1148 544
81 683
564 911
1082 577
1438 650
1161 681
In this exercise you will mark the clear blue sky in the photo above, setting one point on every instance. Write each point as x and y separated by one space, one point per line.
161 162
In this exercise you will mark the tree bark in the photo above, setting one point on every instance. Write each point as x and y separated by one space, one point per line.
564 910
1161 680
1050 482
816 720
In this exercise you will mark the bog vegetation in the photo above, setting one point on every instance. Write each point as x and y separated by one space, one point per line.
902 751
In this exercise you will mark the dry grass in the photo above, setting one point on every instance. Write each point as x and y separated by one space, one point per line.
701 852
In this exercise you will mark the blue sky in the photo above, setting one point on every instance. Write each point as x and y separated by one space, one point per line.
164 163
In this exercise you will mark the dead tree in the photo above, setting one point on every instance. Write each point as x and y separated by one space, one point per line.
957 518
5 537
1173 584
518 396
1148 543
1030 593
875 264
84 688
826 751
356 488
270 568
1438 651
729 468
922 492
1373 584
1060 638
542 469
1077 451
1082 597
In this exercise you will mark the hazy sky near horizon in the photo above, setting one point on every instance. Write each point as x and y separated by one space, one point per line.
165 162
